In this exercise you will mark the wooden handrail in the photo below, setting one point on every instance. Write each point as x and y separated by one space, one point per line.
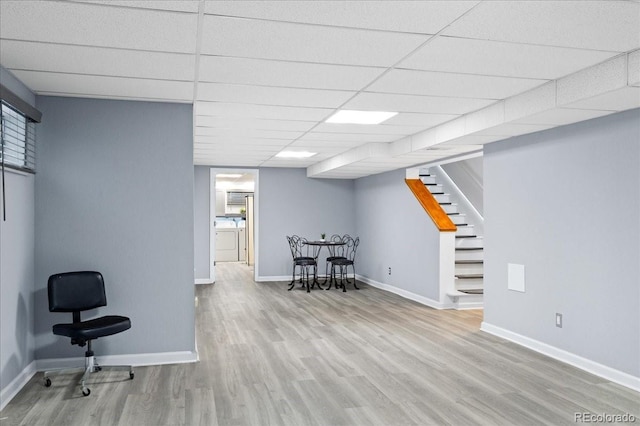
440 218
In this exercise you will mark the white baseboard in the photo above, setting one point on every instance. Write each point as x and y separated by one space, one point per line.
12 389
136 360
203 281
278 278
404 293
469 305
587 365
400 292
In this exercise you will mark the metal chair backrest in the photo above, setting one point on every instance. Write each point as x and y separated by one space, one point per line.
336 250
350 247
300 249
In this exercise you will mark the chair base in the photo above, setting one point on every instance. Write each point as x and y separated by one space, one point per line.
90 366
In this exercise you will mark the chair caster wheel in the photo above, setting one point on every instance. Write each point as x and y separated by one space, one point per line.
131 375
47 382
86 391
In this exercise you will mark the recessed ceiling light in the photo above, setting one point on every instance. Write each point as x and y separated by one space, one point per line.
295 154
229 175
347 116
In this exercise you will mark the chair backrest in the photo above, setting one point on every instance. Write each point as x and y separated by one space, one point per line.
350 247
337 250
294 245
76 291
299 248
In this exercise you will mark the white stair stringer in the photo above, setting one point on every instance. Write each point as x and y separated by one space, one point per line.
469 267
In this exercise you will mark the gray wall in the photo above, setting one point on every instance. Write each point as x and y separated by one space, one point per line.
291 203
114 193
16 277
468 176
201 200
565 204
16 263
396 232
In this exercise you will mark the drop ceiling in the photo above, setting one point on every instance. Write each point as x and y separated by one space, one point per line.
263 76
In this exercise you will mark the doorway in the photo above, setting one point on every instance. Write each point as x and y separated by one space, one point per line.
233 218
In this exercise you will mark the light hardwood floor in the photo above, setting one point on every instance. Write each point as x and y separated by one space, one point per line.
367 357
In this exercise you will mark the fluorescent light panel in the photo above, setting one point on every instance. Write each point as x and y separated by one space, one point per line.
295 154
349 116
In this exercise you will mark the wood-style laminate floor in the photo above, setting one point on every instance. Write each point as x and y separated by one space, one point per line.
367 357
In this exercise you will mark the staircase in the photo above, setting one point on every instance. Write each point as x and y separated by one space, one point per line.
469 272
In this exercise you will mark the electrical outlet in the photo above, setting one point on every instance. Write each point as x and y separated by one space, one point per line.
558 320
389 270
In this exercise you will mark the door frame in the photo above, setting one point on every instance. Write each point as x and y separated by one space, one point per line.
212 217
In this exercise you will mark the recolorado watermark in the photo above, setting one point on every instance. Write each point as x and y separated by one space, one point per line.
587 417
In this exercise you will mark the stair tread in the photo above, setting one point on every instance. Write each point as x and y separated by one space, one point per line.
472 291
469 276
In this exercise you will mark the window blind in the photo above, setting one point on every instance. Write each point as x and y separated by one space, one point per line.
18 140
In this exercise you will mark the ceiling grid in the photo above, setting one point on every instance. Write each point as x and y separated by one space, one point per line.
265 75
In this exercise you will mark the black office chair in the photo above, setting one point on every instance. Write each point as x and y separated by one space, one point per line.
76 292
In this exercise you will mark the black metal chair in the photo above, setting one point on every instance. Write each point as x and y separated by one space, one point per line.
343 264
335 252
305 257
76 292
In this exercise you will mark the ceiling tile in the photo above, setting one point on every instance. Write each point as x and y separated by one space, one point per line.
175 6
420 120
412 103
272 95
223 109
349 137
402 16
326 148
597 25
253 123
289 163
374 129
96 25
450 54
297 42
325 145
222 161
285 74
97 86
75 59
451 84
213 142
248 133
